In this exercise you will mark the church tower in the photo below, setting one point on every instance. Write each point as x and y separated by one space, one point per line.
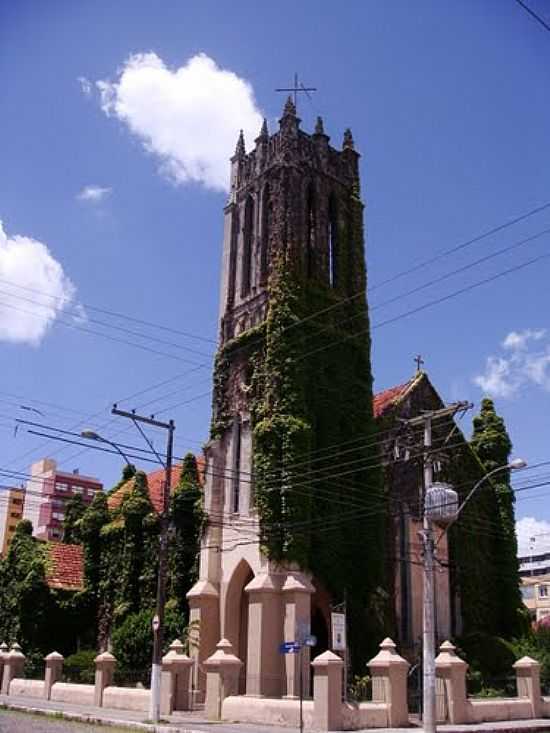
293 489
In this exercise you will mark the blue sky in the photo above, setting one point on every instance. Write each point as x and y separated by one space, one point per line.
122 183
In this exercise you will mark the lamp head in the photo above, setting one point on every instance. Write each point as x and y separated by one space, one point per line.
518 463
90 434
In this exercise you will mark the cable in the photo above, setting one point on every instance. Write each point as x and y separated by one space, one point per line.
533 14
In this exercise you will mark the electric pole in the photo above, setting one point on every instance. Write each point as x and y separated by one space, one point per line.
158 620
428 606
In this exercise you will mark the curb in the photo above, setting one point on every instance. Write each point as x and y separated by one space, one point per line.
96 720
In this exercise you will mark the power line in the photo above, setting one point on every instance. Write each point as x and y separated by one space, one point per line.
533 14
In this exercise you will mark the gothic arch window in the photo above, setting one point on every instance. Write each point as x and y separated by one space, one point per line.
236 467
248 238
332 236
266 223
233 255
310 230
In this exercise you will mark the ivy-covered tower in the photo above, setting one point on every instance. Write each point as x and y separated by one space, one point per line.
293 487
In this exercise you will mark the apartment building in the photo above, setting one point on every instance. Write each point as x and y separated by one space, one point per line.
47 492
534 570
11 512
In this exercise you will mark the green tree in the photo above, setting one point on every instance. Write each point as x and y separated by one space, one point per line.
187 518
74 511
492 444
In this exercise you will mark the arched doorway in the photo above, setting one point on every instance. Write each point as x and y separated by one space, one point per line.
235 627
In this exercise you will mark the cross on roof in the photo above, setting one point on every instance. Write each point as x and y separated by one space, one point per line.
298 87
419 362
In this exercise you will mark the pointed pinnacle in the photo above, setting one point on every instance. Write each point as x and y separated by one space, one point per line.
240 149
348 140
319 129
264 132
290 107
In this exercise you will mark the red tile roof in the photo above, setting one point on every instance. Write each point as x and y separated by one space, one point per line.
65 568
155 481
383 401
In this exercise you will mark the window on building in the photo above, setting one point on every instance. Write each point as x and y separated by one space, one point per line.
266 222
527 592
15 515
248 239
57 515
61 487
332 243
543 591
12 527
233 247
78 489
310 231
55 534
236 480
17 502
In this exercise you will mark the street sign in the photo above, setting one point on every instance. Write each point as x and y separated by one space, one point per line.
290 647
310 640
338 623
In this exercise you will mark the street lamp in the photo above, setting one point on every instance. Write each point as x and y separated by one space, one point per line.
442 512
92 435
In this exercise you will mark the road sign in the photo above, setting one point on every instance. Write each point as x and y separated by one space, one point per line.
290 647
338 623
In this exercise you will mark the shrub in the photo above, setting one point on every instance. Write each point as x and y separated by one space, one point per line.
80 667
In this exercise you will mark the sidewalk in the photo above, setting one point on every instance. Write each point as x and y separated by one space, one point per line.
195 722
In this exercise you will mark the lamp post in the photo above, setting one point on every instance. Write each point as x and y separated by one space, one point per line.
92 435
429 718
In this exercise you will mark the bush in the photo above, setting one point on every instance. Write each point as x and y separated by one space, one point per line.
80 667
535 644
489 655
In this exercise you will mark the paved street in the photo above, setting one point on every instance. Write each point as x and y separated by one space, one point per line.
12 722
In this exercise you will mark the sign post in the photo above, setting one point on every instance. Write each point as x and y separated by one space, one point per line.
339 641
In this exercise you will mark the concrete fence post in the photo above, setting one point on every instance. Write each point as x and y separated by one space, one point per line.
14 665
389 683
327 691
175 677
222 678
104 671
450 671
528 683
3 654
54 668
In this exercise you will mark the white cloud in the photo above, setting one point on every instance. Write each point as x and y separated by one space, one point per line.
94 194
188 117
86 85
29 264
533 536
526 362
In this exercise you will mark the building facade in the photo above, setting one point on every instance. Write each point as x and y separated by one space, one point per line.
47 493
11 512
534 569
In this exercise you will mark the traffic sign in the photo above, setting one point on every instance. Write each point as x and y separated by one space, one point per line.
290 647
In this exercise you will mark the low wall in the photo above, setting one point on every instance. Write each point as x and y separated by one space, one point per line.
26 688
499 708
267 711
71 692
364 715
126 698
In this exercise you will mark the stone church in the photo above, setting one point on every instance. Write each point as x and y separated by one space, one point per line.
279 553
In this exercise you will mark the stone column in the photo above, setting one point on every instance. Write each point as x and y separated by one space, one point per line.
327 691
450 671
296 592
14 664
222 678
204 621
3 654
264 667
104 670
389 683
528 683
54 667
175 675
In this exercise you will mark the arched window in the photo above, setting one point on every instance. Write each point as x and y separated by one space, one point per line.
248 238
233 255
236 468
332 242
310 231
266 223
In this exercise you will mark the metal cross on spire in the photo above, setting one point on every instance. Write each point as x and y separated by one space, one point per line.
419 363
298 87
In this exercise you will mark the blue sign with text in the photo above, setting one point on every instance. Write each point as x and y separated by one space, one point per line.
290 647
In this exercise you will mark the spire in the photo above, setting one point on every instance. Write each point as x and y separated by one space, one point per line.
264 132
290 107
348 140
240 149
319 129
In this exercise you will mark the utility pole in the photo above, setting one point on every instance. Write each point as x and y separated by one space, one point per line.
158 620
428 606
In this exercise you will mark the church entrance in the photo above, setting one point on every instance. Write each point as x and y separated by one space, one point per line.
236 616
